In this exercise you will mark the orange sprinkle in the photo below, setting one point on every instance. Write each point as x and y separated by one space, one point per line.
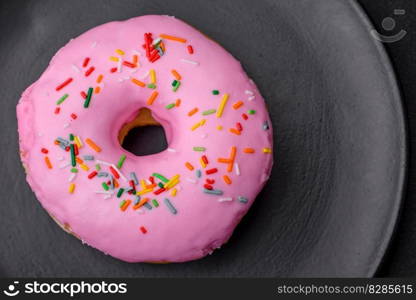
100 78
178 102
248 150
150 186
125 205
235 131
189 166
232 158
93 145
116 184
227 179
176 75
48 162
79 160
162 46
97 89
193 111
135 59
141 203
172 38
138 82
152 98
224 160
238 104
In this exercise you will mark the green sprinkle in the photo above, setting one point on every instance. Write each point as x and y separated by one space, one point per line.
71 137
121 161
120 192
105 186
88 99
251 111
169 106
200 149
155 203
98 167
161 185
215 92
151 86
161 177
209 112
175 87
175 82
74 170
122 203
73 161
62 99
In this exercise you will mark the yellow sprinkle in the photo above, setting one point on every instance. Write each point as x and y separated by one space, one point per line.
84 167
202 163
143 192
143 184
222 105
113 58
200 123
219 127
121 52
172 180
71 188
173 192
152 76
267 150
77 142
77 138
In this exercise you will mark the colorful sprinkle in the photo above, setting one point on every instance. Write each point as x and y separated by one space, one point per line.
209 112
138 82
213 192
251 111
172 38
71 188
248 150
48 162
190 49
170 106
88 99
92 145
242 199
170 206
161 177
227 179
86 61
189 166
176 75
155 203
267 150
238 104
121 161
143 229
222 105
89 71
62 99
215 92
211 171
63 84
152 98
193 111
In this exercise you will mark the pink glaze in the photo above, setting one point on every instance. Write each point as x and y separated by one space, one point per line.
202 223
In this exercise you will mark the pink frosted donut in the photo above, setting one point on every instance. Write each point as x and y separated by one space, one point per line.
173 206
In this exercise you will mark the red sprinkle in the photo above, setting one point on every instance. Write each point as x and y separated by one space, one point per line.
245 117
63 84
113 70
239 127
89 71
190 49
129 64
114 172
159 191
44 150
74 116
211 171
151 179
86 61
204 159
92 174
131 183
210 181
76 151
208 187
57 110
67 148
83 95
143 230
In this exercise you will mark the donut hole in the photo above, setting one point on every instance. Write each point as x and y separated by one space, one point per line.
144 135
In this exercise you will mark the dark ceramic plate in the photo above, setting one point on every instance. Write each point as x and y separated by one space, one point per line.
332 202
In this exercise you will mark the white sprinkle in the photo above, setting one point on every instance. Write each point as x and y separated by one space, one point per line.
66 125
72 177
191 180
249 92
104 192
60 158
264 177
120 80
75 68
147 181
119 172
190 61
94 45
225 199
204 135
251 98
107 197
103 162
119 65
237 169
144 76
64 165
171 150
